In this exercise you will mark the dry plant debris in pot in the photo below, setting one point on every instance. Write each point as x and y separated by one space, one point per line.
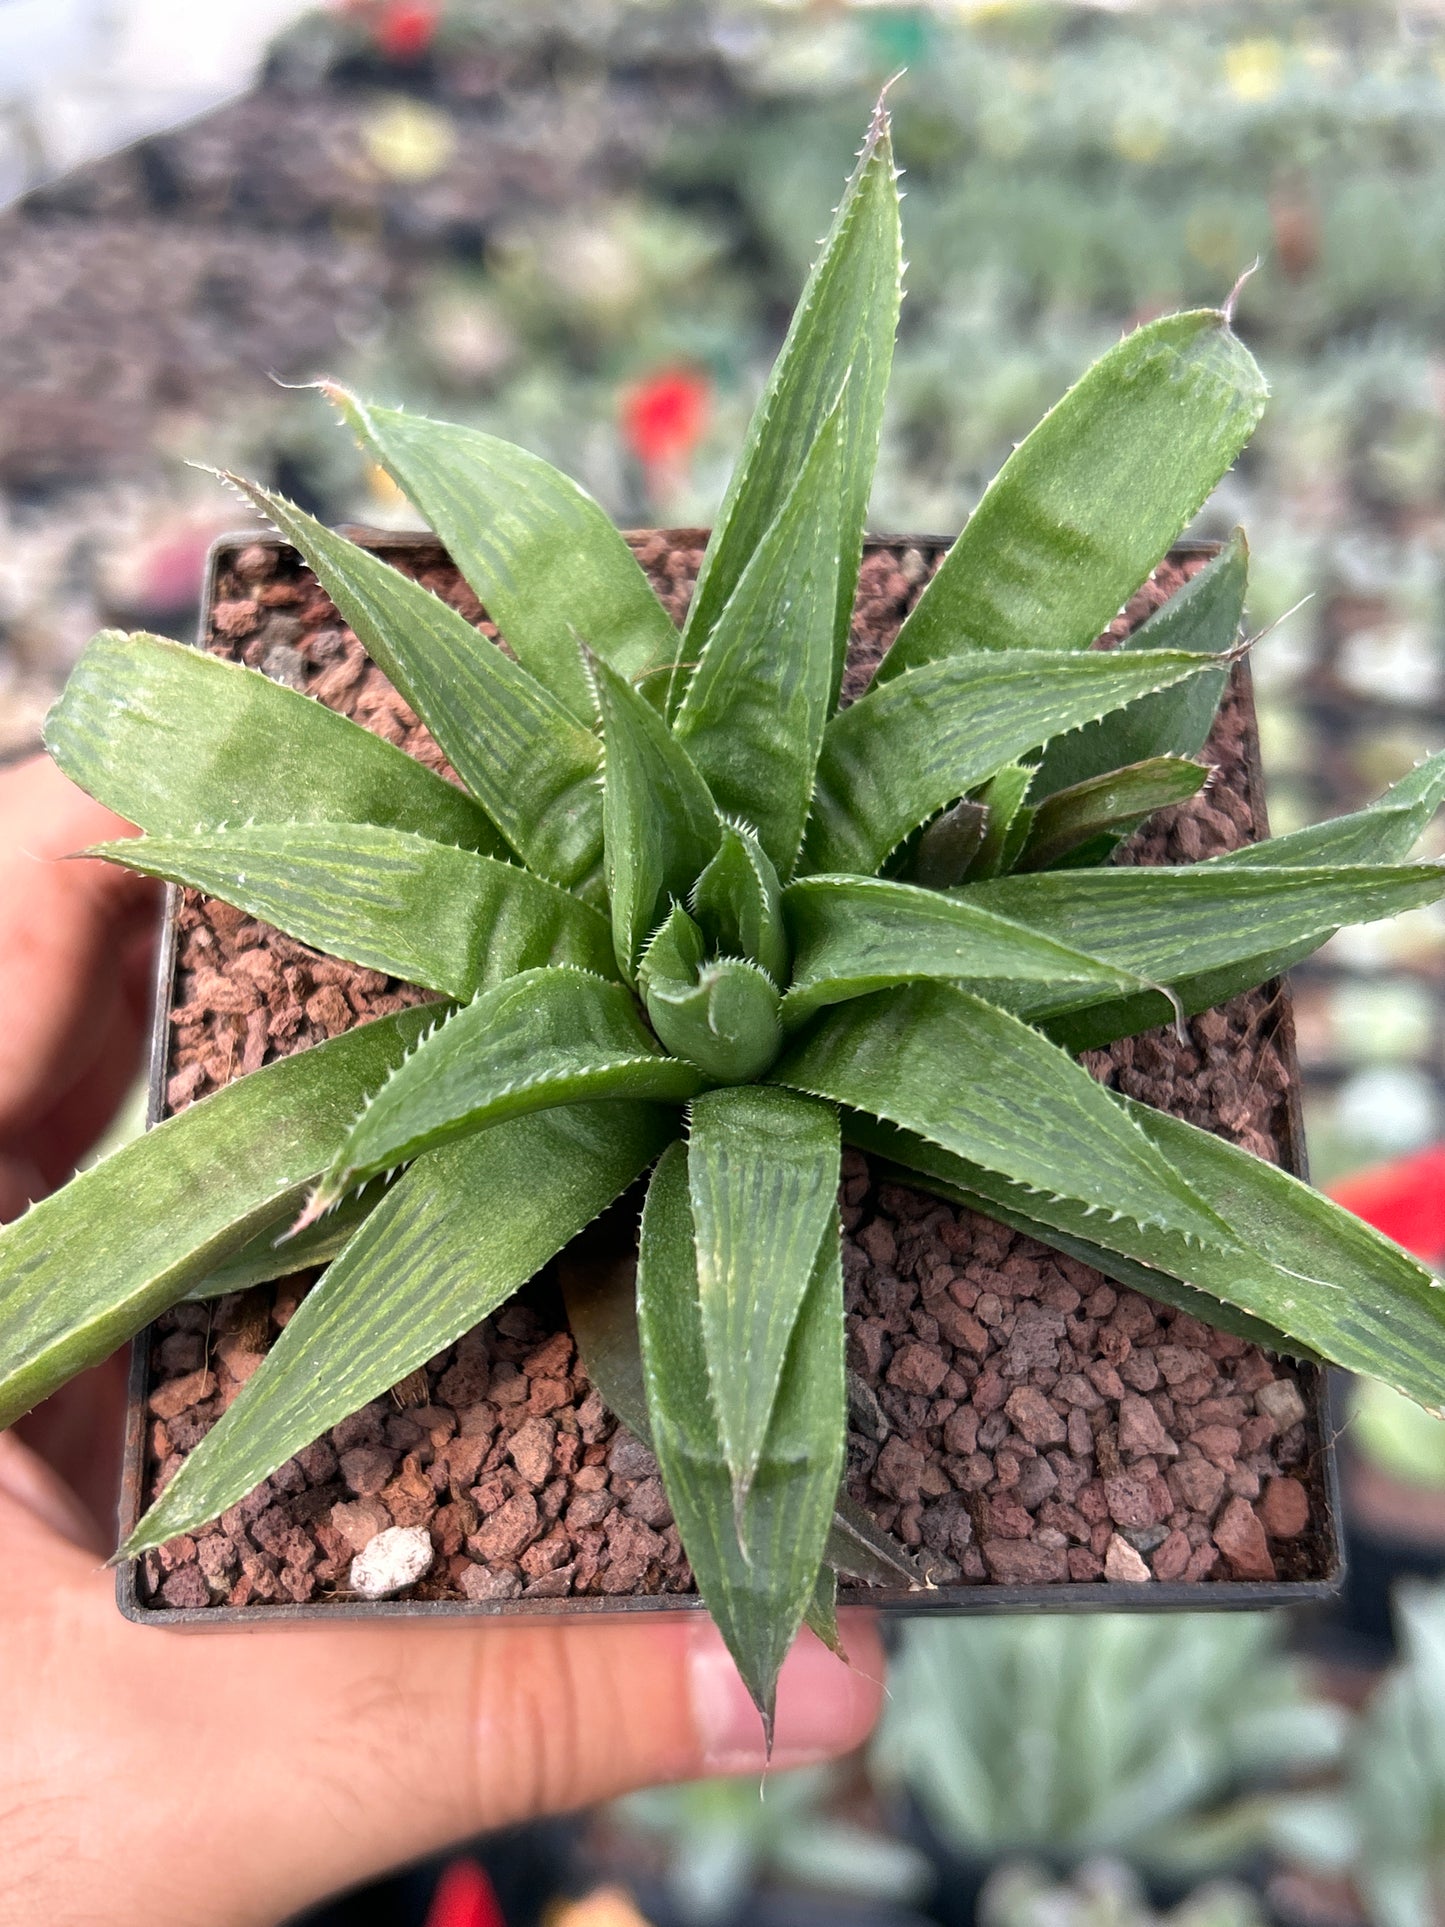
690 917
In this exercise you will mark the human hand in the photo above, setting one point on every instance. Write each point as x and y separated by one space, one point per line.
232 1779
76 942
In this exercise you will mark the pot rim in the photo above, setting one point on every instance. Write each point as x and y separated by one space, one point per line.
1214 1595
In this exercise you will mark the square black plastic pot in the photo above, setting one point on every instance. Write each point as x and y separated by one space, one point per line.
1093 1596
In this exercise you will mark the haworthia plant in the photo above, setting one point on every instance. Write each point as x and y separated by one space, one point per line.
688 915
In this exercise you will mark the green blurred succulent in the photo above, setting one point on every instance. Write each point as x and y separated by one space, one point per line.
1106 1893
1116 1734
1385 1826
722 1838
687 911
1397 1435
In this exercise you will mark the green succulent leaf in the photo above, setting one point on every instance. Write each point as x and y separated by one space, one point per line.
726 1020
840 342
908 749
451 1242
528 761
971 1078
754 712
738 906
543 558
1108 806
1301 1265
913 1160
544 1038
859 1548
1006 822
855 935
1204 618
675 954
1384 832
177 741
273 1254
83 1271
821 1614
601 1300
450 919
762 1168
949 846
661 827
759 1586
1206 931
1089 502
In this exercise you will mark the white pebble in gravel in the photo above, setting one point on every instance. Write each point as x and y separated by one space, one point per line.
1121 1563
1280 1402
395 1558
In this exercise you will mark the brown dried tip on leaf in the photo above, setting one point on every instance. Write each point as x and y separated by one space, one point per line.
878 126
1232 299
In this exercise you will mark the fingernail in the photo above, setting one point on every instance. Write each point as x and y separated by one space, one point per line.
824 1707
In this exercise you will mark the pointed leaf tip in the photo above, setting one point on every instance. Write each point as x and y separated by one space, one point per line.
843 326
757 1602
1091 500
540 553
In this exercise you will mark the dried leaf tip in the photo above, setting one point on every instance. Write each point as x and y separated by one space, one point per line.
1232 298
316 1207
880 126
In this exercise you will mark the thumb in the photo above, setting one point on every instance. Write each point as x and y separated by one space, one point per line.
240 1776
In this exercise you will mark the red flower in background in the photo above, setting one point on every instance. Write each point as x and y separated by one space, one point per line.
464 1898
1405 1200
663 417
406 28
402 29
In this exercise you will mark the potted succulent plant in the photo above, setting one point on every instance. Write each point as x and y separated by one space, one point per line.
690 915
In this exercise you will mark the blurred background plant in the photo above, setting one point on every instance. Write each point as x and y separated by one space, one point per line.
1382 1829
1107 1893
715 1844
1141 1737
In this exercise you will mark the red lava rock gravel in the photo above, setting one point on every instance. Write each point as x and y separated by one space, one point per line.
1016 1419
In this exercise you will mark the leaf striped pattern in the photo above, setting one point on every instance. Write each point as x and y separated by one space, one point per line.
1090 501
544 559
543 1038
453 1240
177 741
855 935
753 716
449 919
840 341
525 758
84 1270
660 825
975 1080
759 1587
918 743
762 1171
1205 931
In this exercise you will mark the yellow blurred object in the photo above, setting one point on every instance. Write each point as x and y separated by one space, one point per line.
1138 140
1213 240
607 1907
1254 69
407 140
382 489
